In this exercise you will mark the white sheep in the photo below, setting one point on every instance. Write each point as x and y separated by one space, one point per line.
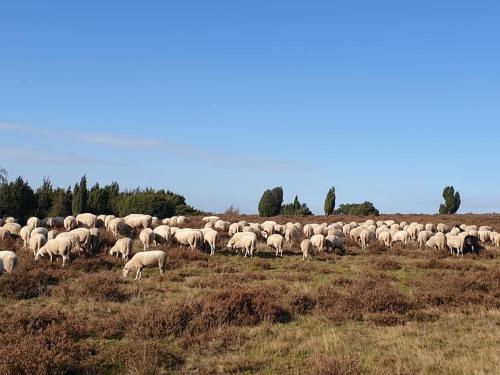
307 248
318 242
107 220
276 242
123 246
70 223
40 230
292 234
147 237
83 235
206 219
246 241
34 222
146 259
233 229
438 241
484 235
8 261
386 238
443 228
221 225
423 237
58 246
36 242
496 239
138 221
162 234
13 228
116 226
210 237
456 242
365 238
401 236
334 242
189 237
25 234
4 234
88 220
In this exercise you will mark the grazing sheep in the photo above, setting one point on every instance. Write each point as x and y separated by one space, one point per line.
52 234
146 259
210 225
443 228
365 237
189 237
83 235
268 227
94 241
438 241
147 237
74 238
210 237
87 220
276 242
25 234
182 221
334 242
246 241
292 234
261 235
36 242
307 248
34 222
401 236
471 244
116 226
58 246
138 221
40 230
155 222
486 227
107 220
455 231
162 234
8 261
100 220
484 235
70 223
13 228
413 231
318 242
206 219
423 237
9 220
4 234
457 243
386 238
496 239
123 246
221 225
233 229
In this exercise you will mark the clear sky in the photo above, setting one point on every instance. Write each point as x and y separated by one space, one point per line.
389 101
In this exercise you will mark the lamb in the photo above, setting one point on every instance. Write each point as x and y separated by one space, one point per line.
423 237
386 238
36 242
365 237
210 237
246 241
70 223
34 222
123 246
318 242
25 234
334 242
275 242
87 220
8 261
306 247
58 246
147 238
146 259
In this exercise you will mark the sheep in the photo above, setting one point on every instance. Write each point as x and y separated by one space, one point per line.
190 237
162 234
146 259
57 246
4 234
116 226
484 235
123 246
13 228
210 237
40 230
496 239
486 227
138 221
25 234
87 220
74 238
306 247
83 235
8 261
292 234
386 238
10 220
365 237
182 221
233 229
413 231
221 225
100 220
268 227
36 242
334 242
52 234
471 227
318 242
356 232
423 237
70 223
55 222
246 241
210 225
94 241
443 228
147 238
107 220
456 242
155 222
206 219
275 242
401 236
471 244
308 230
455 231
438 241
260 233
34 222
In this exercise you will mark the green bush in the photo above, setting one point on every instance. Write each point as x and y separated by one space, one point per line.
270 203
295 209
357 209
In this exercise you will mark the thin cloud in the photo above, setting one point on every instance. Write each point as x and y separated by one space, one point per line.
219 159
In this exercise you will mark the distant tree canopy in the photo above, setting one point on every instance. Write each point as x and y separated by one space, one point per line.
271 201
19 200
451 201
295 208
357 209
330 201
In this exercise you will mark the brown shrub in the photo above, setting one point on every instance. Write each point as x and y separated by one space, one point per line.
96 264
450 264
322 364
300 303
178 257
222 281
164 321
23 284
293 277
102 286
385 319
386 264
263 264
378 296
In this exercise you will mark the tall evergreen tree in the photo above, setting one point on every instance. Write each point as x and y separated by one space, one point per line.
17 199
270 202
452 201
330 202
45 197
80 197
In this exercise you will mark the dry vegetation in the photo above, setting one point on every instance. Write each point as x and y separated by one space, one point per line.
404 311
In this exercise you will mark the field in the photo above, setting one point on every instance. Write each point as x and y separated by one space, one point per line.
399 311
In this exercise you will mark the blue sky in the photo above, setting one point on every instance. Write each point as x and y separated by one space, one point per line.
388 101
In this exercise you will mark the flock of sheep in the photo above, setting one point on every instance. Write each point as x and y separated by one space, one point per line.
67 237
